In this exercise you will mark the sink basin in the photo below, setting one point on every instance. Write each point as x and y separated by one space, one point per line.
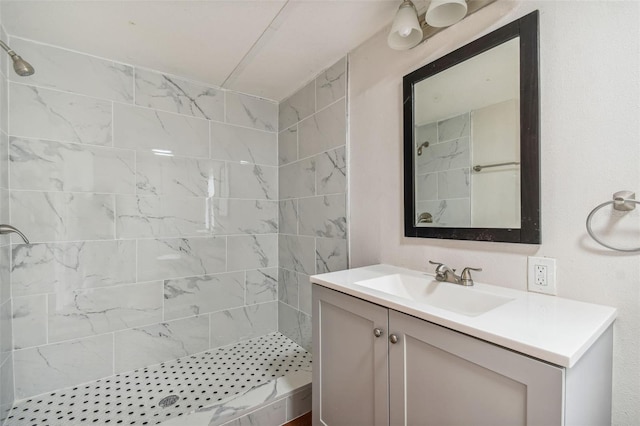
453 297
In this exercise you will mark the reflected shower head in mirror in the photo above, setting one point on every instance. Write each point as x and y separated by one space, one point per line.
20 66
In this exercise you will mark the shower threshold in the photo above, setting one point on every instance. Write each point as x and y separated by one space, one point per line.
266 379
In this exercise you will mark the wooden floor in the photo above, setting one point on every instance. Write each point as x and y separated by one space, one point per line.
301 421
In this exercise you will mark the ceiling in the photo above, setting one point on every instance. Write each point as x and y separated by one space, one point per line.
267 48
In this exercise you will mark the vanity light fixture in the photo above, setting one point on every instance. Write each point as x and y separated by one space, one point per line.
409 29
405 31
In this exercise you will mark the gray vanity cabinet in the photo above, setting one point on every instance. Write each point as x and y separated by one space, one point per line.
441 377
350 374
377 366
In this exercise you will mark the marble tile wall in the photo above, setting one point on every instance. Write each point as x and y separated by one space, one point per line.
443 171
151 202
312 186
6 335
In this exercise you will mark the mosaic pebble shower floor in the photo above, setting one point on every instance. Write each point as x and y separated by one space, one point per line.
151 395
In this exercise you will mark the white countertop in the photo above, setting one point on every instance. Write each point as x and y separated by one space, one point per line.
549 328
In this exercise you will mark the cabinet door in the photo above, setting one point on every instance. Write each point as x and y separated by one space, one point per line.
442 377
350 364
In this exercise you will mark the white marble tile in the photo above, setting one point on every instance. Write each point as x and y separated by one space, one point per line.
250 111
427 187
5 268
75 72
180 257
154 344
453 128
30 321
179 176
233 216
323 216
299 403
48 114
288 145
4 104
272 414
297 253
252 251
7 395
331 255
145 129
252 181
288 287
243 323
184 297
101 310
324 130
454 183
261 286
55 166
426 133
447 213
160 217
174 94
4 161
331 172
298 179
46 368
234 143
54 267
288 216
444 156
6 330
298 106
295 324
63 216
331 85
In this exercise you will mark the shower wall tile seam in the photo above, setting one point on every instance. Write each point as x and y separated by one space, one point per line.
335 148
114 332
114 102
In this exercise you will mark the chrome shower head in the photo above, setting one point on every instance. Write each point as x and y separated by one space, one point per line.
20 66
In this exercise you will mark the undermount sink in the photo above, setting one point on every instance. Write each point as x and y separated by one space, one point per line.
453 297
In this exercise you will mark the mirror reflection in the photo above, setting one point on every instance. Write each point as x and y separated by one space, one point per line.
467 143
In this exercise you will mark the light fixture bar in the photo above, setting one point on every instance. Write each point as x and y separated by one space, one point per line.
472 7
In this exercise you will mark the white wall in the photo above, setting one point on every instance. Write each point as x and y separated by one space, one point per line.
589 55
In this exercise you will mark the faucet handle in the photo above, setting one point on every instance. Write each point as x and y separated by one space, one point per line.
465 277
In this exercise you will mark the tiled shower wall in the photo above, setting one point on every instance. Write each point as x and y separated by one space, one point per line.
313 170
443 175
152 205
6 357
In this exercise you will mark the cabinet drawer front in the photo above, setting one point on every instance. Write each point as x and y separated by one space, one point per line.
350 364
442 377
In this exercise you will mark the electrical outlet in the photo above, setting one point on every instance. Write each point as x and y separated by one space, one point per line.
542 275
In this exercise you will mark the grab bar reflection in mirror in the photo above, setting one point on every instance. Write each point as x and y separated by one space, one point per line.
479 168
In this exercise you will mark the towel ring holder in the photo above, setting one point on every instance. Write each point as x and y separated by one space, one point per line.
622 201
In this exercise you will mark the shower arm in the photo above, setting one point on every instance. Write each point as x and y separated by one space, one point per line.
8 49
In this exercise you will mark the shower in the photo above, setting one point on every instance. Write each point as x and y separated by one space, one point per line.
20 66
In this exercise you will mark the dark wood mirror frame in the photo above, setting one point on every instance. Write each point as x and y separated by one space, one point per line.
526 28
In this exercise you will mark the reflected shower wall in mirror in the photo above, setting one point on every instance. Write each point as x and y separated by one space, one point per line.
471 140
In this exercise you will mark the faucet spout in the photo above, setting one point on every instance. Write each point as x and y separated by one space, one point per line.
446 274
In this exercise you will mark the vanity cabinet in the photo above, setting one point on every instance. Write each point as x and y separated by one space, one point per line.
377 366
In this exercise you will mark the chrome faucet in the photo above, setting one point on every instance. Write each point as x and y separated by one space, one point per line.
446 274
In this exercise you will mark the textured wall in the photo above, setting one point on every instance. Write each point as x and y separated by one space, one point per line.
589 54
152 207
312 182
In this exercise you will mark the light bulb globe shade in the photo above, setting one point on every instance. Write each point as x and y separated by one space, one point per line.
405 31
444 13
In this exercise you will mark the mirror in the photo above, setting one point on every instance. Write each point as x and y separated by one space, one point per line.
471 140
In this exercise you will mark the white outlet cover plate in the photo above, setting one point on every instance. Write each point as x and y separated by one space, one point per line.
550 263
